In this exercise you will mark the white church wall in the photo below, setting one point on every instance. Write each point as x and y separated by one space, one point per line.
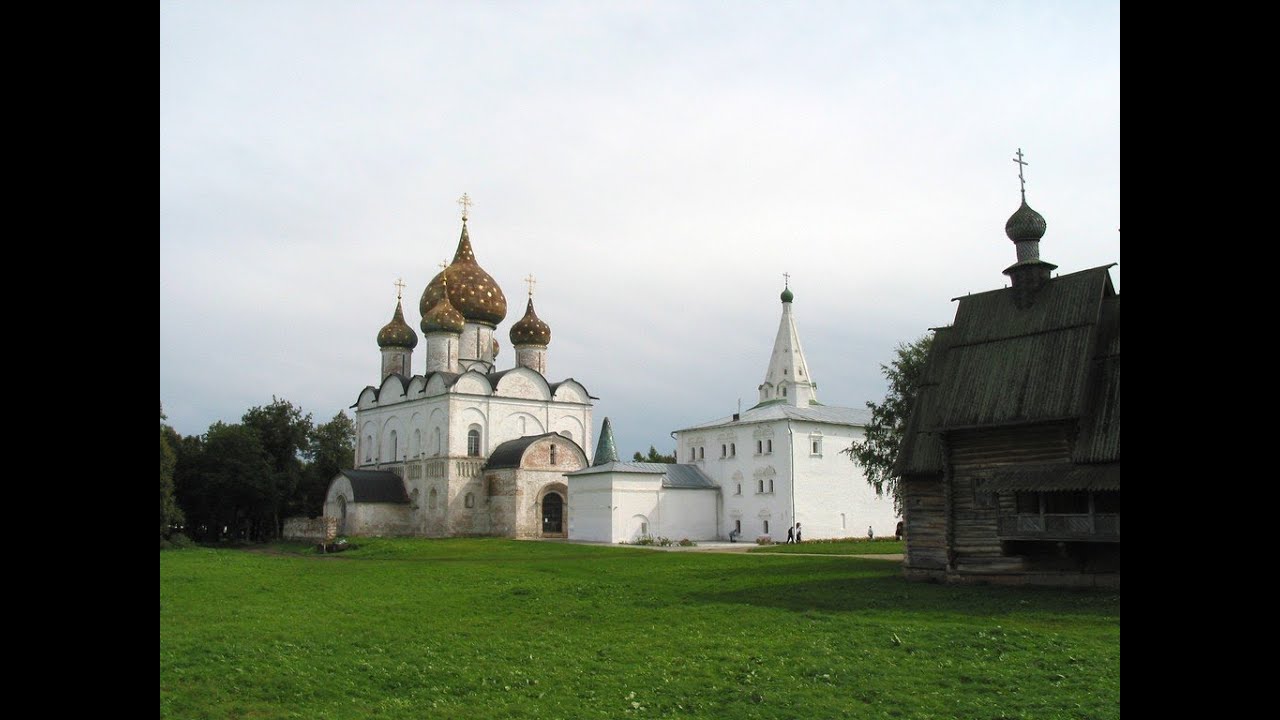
833 498
686 513
591 508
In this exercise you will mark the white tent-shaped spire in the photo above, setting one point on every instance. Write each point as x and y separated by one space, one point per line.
787 381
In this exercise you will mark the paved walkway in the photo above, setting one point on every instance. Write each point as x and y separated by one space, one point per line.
719 546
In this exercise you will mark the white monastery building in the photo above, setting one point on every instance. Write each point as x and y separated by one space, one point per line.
752 474
463 448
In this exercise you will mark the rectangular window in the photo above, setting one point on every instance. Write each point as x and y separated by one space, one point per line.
770 484
702 453
816 446
739 489
768 446
760 486
724 451
733 450
759 447
737 525
766 527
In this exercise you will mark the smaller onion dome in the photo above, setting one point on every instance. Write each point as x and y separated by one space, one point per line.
787 295
1025 224
397 333
495 348
530 330
443 317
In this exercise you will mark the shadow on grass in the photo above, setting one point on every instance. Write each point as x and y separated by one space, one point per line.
858 592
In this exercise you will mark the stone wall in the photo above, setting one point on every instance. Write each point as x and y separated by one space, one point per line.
321 529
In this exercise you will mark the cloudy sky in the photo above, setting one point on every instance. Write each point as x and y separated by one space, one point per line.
656 165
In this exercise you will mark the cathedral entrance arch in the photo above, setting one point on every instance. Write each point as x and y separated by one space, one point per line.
552 515
552 507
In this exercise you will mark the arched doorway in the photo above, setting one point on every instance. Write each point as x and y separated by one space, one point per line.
342 515
553 515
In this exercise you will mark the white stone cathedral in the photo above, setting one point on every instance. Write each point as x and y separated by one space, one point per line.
752 474
463 449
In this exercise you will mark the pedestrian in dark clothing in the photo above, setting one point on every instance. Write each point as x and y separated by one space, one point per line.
791 535
798 533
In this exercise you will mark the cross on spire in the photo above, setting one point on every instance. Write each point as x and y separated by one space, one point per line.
530 281
1021 181
465 202
399 287
444 277
786 279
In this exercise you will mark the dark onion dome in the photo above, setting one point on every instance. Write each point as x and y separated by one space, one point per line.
1025 224
443 317
397 333
471 290
530 330
787 295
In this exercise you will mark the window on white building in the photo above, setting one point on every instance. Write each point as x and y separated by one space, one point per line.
368 448
395 446
739 489
702 453
759 447
724 450
553 454
770 484
473 443
768 447
469 500
766 527
760 486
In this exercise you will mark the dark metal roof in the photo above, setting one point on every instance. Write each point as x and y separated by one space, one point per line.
376 486
674 475
1049 477
510 453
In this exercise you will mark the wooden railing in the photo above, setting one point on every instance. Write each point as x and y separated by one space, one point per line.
1095 528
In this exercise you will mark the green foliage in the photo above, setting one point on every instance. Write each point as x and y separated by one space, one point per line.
170 513
557 630
283 431
330 449
654 457
878 452
686 542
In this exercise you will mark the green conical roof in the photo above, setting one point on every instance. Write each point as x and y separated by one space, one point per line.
606 449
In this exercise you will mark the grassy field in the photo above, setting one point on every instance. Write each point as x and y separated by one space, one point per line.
841 547
502 629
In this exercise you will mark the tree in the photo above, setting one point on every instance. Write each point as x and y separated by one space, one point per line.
879 450
283 432
332 446
170 513
654 457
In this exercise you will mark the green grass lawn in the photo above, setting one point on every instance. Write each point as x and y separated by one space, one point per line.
842 547
503 629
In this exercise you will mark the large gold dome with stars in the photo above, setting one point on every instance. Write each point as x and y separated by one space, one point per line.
471 290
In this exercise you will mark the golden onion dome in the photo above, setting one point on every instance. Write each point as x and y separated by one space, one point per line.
397 333
531 330
471 290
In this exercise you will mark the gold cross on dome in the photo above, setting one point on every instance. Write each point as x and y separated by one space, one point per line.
531 281
399 287
1021 164
465 202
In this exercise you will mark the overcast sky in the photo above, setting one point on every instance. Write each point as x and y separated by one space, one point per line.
656 165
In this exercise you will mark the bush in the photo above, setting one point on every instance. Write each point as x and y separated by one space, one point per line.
686 542
764 540
664 542
646 540
176 541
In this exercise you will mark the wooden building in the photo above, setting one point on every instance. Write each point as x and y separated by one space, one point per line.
1010 464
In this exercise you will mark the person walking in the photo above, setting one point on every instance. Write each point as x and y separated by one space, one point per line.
791 535
798 540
